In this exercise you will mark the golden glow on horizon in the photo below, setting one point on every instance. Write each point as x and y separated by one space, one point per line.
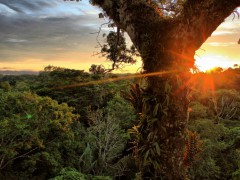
71 60
210 61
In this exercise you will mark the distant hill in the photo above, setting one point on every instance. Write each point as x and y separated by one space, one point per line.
9 72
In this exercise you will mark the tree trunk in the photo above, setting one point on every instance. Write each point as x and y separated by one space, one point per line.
163 120
166 45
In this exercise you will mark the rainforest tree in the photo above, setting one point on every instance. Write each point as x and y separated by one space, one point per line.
35 133
166 33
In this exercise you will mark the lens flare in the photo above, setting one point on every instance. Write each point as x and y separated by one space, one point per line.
103 81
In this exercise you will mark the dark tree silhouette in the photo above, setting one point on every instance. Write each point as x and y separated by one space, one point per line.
166 34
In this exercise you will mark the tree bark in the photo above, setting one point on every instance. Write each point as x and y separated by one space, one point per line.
166 44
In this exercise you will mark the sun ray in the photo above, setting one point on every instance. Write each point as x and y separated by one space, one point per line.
103 81
210 61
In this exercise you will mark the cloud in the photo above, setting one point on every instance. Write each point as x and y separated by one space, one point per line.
16 40
222 32
220 44
6 68
24 6
48 30
5 10
230 27
55 28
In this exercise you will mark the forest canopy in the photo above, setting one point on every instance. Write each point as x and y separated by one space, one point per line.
95 133
44 139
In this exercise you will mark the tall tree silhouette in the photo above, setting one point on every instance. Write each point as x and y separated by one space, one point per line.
166 33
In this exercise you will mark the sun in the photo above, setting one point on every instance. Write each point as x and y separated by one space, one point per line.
210 61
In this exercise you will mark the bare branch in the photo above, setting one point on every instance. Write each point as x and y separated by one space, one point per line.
99 31
17 157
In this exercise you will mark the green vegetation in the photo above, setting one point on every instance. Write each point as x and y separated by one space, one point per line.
34 132
69 124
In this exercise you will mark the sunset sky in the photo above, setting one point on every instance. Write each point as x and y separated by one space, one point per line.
38 33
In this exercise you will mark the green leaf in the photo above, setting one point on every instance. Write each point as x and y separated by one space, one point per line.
167 88
153 120
101 15
157 148
164 111
167 100
145 160
29 116
155 111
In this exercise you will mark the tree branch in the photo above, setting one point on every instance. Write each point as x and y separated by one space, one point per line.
131 16
202 17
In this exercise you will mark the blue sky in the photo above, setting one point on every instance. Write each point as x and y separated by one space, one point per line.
37 33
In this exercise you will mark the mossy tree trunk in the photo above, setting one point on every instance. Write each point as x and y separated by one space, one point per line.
166 44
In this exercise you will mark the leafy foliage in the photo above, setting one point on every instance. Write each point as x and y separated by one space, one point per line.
42 139
106 139
115 49
33 131
220 151
227 104
197 110
97 69
73 174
